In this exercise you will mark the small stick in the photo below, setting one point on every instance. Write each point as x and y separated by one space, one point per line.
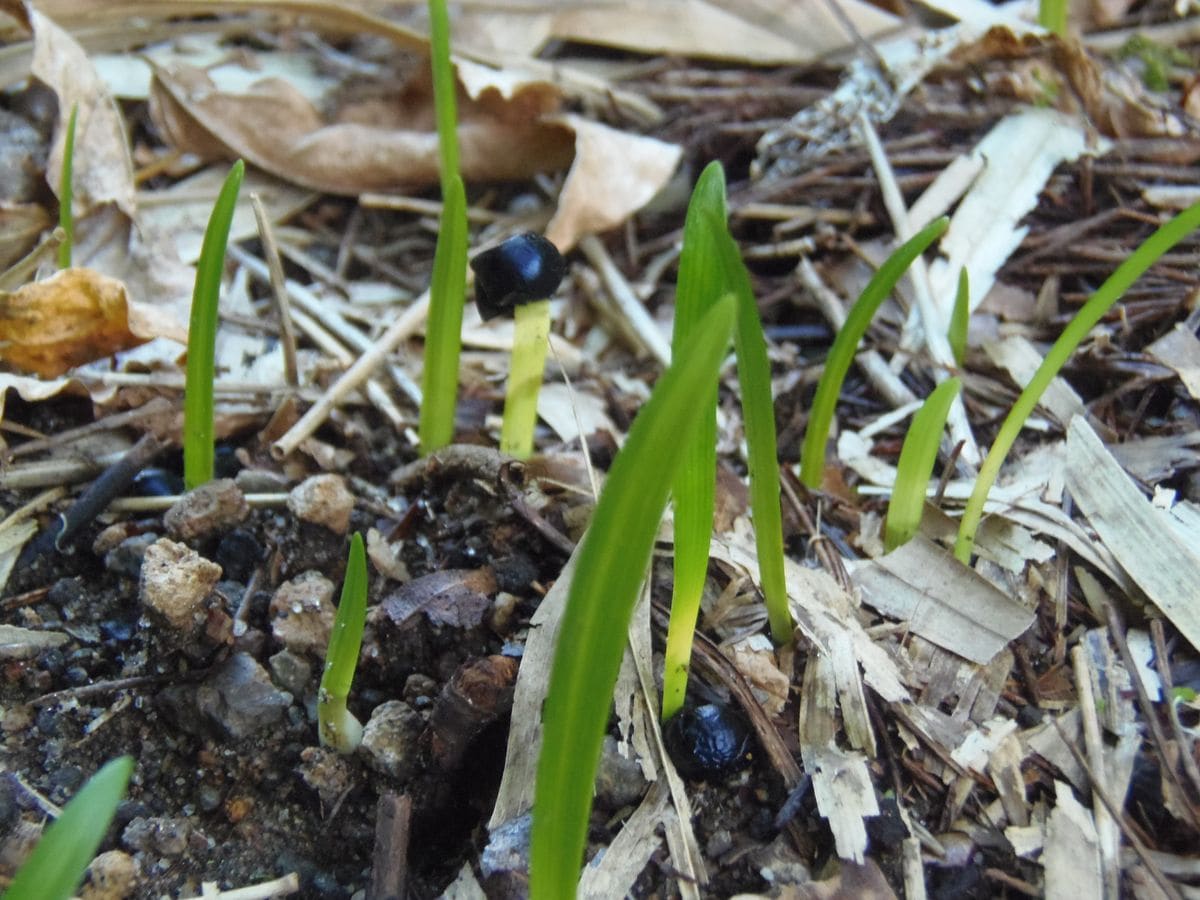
531 332
1164 674
287 337
403 328
389 860
1143 852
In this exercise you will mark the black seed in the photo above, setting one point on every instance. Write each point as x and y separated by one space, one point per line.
522 269
708 740
156 482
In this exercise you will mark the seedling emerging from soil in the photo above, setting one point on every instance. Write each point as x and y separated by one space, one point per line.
56 866
960 318
202 336
611 566
66 193
519 276
841 354
1161 241
709 265
443 333
336 725
917 457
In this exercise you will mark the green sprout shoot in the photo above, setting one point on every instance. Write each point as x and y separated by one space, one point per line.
917 457
531 338
336 725
1148 253
443 332
66 193
841 354
57 864
960 318
610 568
202 336
710 261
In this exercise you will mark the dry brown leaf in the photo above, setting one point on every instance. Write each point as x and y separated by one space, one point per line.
752 31
20 225
73 317
614 175
387 144
103 169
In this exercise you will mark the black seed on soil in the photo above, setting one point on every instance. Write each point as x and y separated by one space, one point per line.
237 554
709 740
524 268
116 631
52 660
157 482
76 676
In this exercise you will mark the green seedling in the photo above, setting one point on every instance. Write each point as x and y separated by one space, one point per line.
1161 241
202 336
841 354
960 318
515 279
531 338
612 563
917 457
710 261
336 725
57 864
1052 15
66 193
443 332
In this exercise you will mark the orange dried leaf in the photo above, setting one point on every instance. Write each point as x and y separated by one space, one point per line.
74 317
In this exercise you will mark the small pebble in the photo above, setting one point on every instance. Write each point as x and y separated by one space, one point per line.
323 500
391 739
176 580
208 509
240 698
111 876
302 614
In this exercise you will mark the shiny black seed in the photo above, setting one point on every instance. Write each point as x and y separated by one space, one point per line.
522 269
156 482
709 740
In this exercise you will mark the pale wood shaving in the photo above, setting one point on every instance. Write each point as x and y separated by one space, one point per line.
845 796
1072 854
1165 567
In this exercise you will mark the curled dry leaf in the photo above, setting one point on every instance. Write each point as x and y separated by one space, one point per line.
386 144
71 318
103 168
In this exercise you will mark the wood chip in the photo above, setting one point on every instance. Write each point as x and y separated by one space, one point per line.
1139 536
1072 854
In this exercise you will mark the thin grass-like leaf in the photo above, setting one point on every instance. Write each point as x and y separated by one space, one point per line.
1052 15
57 864
66 193
443 333
336 726
444 104
917 457
762 452
960 318
1161 241
700 274
202 336
841 354
612 563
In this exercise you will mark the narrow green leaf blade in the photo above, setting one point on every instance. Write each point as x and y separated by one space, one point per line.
758 410
66 193
445 107
917 457
345 641
443 333
700 278
202 336
612 563
841 354
57 864
1162 240
960 318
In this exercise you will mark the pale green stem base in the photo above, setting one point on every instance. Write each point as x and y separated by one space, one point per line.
531 336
